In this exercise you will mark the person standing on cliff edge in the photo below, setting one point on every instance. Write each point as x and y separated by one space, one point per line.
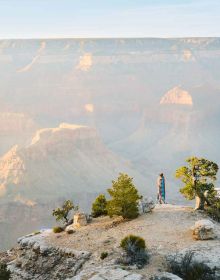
161 192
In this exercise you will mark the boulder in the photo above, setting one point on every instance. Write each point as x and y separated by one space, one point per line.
79 220
165 276
70 229
145 205
204 230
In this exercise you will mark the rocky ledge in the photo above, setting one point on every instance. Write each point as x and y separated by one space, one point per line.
77 256
37 260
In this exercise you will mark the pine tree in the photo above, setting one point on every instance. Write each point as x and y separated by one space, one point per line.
198 178
124 196
99 206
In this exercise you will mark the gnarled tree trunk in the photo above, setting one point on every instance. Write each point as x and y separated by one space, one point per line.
200 203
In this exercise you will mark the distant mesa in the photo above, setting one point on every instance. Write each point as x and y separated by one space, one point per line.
89 108
85 62
177 96
59 161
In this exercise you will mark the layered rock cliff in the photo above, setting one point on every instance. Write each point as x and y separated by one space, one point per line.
57 162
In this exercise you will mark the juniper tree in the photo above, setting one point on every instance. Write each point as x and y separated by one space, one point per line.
99 206
124 198
62 213
198 178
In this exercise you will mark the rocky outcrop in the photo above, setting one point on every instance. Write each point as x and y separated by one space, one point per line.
108 273
207 254
46 255
79 220
204 230
165 276
177 96
145 205
37 260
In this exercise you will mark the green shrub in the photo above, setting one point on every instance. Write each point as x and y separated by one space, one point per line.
4 272
125 198
104 255
58 229
70 231
213 209
99 206
135 249
189 269
133 240
62 213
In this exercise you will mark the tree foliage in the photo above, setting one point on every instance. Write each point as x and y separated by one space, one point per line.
99 206
198 178
4 272
62 213
124 198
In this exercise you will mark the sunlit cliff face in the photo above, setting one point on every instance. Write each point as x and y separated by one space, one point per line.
177 96
85 62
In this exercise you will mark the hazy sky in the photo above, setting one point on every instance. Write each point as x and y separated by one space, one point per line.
109 18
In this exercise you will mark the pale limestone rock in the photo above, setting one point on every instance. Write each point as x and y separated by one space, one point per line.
37 260
107 273
204 230
166 276
70 227
204 252
145 205
79 220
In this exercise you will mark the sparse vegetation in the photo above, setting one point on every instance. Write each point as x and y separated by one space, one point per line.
103 255
214 208
4 272
58 229
198 178
99 206
125 198
70 231
62 214
189 269
135 251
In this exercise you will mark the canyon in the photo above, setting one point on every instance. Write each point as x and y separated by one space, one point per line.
76 112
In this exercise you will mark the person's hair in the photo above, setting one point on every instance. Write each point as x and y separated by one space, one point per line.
161 174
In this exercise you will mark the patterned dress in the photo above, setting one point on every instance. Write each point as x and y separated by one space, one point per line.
161 188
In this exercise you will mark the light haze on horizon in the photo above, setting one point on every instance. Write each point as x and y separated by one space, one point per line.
104 19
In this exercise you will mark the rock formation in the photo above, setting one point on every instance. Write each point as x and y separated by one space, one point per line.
177 96
204 230
46 255
59 161
146 205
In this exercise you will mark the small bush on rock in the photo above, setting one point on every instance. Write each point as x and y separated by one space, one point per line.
62 213
189 269
104 255
99 206
4 272
135 251
125 198
58 229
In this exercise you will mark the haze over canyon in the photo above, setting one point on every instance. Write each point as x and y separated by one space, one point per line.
76 112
